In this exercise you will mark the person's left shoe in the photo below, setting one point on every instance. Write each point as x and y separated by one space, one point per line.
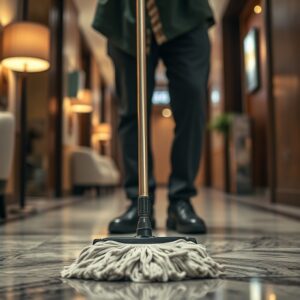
183 219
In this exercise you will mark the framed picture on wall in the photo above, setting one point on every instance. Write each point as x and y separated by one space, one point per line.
75 83
251 60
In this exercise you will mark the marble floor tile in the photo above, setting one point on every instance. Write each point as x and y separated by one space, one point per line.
260 250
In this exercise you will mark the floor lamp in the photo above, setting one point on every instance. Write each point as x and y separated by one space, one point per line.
25 49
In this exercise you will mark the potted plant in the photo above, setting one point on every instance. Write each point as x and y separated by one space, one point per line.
222 124
236 129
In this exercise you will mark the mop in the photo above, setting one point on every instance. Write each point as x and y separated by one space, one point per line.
143 258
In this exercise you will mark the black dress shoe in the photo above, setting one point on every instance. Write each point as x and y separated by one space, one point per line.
183 219
127 222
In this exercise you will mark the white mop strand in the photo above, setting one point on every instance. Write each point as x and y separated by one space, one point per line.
143 262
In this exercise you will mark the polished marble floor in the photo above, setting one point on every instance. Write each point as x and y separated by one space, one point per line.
260 250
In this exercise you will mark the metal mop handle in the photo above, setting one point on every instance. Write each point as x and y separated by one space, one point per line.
142 98
144 224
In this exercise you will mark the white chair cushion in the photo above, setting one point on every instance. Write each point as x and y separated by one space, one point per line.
90 168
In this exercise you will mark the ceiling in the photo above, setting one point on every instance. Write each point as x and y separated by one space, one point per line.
97 42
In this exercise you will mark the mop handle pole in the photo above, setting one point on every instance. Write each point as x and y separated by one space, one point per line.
142 97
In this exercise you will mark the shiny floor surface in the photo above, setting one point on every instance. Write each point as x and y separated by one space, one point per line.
260 250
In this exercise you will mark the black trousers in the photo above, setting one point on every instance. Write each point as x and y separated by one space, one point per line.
187 63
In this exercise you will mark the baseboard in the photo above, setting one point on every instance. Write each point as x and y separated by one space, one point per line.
288 197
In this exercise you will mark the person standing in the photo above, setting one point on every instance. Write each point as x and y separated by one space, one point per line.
177 33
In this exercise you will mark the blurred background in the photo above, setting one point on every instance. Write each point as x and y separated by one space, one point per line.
59 118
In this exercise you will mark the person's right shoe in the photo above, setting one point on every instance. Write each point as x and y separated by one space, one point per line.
183 219
127 222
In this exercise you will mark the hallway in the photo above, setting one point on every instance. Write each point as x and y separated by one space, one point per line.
259 249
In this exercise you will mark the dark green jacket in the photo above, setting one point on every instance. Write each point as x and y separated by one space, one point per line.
116 19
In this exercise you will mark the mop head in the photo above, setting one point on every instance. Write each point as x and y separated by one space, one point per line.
115 261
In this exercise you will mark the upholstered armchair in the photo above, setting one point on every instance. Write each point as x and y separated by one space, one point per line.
91 170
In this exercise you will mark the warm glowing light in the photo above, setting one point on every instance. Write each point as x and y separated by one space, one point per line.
8 12
83 102
257 9
26 47
255 292
166 113
85 95
25 64
102 132
272 296
81 106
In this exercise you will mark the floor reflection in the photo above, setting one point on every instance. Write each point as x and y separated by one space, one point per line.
144 291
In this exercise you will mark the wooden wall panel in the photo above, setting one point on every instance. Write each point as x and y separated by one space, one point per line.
162 135
256 103
218 179
55 102
71 61
286 83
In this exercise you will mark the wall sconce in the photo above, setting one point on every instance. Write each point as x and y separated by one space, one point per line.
83 102
80 106
25 49
85 95
166 113
257 9
102 132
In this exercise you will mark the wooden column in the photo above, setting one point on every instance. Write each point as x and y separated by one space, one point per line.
56 98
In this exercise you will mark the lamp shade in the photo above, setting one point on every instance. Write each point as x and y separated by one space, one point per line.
102 132
81 106
85 95
26 47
